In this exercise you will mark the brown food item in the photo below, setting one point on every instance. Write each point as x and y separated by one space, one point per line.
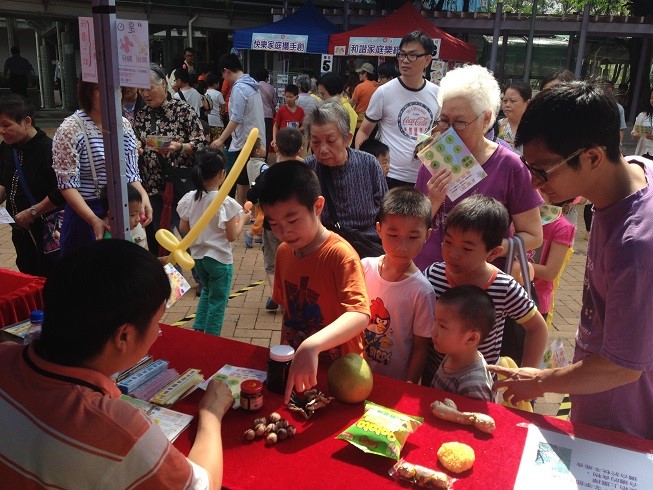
249 435
274 417
259 430
271 439
448 410
421 476
456 456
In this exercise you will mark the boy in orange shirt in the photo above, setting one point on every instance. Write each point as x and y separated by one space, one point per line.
318 277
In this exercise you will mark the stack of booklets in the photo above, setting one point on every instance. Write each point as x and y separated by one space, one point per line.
171 423
154 381
15 332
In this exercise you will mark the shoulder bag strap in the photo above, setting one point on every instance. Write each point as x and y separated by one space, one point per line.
270 101
517 249
181 95
96 181
21 179
329 192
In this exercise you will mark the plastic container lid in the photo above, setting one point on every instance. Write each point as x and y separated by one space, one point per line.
251 387
282 353
36 316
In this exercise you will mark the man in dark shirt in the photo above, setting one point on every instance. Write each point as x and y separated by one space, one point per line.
19 70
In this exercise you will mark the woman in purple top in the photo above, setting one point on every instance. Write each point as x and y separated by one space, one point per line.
470 99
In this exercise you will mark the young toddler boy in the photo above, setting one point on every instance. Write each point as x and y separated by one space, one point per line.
402 300
473 232
464 317
135 203
256 165
380 150
289 147
289 115
318 278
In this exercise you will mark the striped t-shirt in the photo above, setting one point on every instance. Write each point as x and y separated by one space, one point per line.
510 300
473 381
70 157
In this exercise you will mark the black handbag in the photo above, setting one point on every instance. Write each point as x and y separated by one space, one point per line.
182 184
364 246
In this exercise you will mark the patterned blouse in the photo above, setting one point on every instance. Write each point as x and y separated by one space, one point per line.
70 157
172 118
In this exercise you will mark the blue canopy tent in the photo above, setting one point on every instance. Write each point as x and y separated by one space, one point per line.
306 21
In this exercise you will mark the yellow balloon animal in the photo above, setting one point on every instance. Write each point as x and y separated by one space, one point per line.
177 249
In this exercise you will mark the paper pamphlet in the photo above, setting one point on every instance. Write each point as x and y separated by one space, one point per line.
5 217
448 150
178 284
554 460
233 376
172 423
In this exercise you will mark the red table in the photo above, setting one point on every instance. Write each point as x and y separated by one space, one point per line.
314 459
20 294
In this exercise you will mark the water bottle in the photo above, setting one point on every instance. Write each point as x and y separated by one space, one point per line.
36 321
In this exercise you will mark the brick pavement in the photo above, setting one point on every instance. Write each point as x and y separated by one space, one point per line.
247 319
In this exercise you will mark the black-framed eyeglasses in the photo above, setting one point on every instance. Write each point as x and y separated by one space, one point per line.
410 56
542 174
458 125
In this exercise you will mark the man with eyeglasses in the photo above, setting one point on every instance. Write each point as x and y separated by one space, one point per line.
403 108
611 378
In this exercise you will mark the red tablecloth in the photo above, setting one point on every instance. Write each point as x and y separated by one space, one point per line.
20 294
314 458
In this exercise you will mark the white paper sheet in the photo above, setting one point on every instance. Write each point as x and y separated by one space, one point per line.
5 217
560 461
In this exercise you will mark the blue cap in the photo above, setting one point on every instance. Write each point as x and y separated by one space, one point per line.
36 316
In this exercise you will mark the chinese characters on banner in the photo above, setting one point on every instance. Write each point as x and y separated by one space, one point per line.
378 46
279 42
133 52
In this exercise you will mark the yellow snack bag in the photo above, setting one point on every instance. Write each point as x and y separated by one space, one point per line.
381 430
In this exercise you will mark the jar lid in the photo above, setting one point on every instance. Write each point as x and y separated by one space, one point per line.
282 353
251 387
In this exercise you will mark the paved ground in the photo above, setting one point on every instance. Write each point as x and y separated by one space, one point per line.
248 321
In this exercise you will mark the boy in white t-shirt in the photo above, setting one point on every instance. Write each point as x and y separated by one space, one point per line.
402 300
214 117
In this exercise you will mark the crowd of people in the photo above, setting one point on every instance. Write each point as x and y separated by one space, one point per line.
364 249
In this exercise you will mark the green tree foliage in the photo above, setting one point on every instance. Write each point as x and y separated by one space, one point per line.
598 7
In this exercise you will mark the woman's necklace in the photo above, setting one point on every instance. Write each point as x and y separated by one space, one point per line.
396 276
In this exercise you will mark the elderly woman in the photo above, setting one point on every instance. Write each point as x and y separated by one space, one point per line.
352 178
78 162
169 132
470 99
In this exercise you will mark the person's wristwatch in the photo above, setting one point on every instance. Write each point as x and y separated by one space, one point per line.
33 211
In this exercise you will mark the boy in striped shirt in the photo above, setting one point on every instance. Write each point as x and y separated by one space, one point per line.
473 233
464 317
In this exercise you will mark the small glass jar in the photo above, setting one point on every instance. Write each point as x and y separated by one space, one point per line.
251 395
281 357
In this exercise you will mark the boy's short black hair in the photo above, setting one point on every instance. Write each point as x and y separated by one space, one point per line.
231 62
183 75
420 37
16 107
482 214
590 114
212 79
388 69
332 83
406 201
113 282
189 49
132 196
475 308
292 88
289 142
262 75
374 147
257 144
287 180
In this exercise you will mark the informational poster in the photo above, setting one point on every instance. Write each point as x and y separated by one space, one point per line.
268 41
326 65
560 461
378 46
133 52
87 50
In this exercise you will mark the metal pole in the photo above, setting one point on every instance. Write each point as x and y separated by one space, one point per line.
345 16
639 77
582 41
529 44
39 67
106 49
500 76
495 36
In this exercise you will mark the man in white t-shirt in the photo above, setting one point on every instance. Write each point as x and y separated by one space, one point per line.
404 108
215 115
191 96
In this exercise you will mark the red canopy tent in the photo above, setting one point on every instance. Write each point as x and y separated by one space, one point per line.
385 33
